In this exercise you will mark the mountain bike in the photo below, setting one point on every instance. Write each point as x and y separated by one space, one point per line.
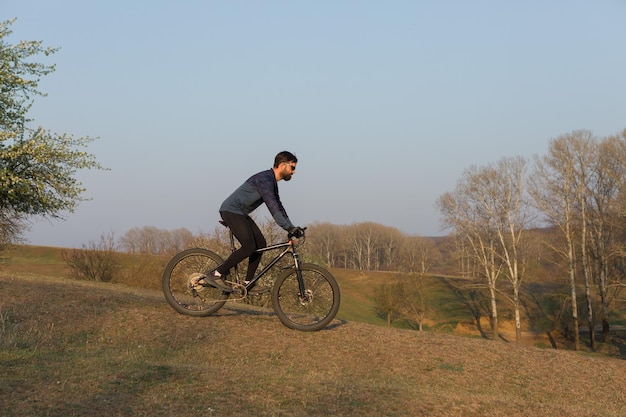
305 296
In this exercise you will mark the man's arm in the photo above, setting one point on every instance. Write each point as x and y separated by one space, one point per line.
268 190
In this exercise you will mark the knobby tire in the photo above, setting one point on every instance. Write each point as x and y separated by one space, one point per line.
181 268
319 305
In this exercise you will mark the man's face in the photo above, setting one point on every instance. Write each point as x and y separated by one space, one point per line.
288 168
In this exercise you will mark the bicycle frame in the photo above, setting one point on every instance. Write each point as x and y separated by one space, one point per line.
288 246
305 296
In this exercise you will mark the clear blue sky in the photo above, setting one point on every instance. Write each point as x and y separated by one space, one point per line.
385 103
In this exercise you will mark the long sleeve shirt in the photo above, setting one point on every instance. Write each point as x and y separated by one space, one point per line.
258 189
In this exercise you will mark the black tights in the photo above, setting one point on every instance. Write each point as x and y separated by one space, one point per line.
249 236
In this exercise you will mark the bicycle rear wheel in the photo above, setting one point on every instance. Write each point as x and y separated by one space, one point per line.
177 283
313 309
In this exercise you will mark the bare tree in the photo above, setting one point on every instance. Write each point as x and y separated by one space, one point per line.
176 240
585 152
463 211
607 184
461 251
511 219
555 194
363 246
369 238
353 249
150 240
418 254
390 244
387 299
411 304
491 210
324 242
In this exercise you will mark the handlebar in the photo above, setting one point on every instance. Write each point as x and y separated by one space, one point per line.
291 235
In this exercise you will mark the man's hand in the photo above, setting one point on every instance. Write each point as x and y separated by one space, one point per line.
296 232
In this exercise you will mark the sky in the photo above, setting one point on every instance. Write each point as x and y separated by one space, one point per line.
385 103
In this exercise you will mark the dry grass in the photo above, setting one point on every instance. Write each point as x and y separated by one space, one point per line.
84 349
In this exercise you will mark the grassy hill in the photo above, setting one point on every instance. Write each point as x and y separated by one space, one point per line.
450 307
70 348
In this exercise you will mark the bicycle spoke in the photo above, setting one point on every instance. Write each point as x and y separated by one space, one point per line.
182 291
311 310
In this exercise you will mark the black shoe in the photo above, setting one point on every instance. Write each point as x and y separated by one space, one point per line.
218 282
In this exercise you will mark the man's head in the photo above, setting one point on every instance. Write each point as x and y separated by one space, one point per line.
284 165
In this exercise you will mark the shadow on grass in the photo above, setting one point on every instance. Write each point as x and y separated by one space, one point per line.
470 299
621 346
616 344
248 310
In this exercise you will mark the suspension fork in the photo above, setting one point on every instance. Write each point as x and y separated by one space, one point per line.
296 262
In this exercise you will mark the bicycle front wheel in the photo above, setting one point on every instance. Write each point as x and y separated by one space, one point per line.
178 283
312 309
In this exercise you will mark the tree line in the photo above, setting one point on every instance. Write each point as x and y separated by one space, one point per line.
362 246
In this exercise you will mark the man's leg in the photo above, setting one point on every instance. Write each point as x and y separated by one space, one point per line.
255 259
249 236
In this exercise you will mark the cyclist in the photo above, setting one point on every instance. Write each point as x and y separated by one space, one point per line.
235 211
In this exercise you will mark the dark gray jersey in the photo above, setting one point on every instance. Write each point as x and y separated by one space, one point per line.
258 189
